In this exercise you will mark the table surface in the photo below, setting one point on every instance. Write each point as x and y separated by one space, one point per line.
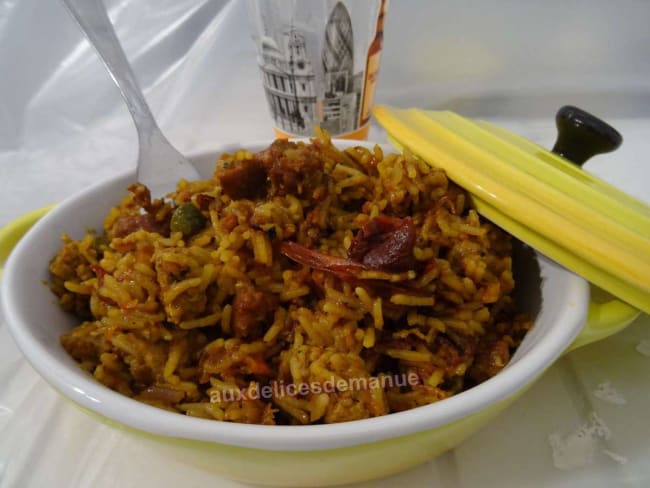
45 441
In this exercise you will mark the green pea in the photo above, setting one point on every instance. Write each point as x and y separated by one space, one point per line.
101 242
187 219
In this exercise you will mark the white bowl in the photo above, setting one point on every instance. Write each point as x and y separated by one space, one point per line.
281 455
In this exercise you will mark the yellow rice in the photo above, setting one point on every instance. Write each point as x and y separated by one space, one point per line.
164 317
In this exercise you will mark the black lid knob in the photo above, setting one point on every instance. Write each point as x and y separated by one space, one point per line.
582 135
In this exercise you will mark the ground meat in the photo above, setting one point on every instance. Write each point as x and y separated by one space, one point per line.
223 358
292 169
130 223
84 346
247 179
385 243
274 151
141 195
492 356
454 353
251 310
203 201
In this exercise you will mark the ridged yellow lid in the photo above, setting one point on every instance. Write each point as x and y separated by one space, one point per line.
539 197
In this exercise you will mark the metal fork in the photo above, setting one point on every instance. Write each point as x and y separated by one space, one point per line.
160 165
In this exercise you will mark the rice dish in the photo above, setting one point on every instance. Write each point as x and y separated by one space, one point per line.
298 285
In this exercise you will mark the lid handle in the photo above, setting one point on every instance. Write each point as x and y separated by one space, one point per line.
582 135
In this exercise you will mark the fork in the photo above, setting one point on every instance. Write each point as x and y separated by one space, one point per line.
160 165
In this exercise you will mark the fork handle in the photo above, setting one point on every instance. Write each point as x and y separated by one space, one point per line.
94 22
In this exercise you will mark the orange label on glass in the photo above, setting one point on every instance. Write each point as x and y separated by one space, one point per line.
372 71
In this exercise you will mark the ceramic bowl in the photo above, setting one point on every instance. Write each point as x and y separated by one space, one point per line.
286 455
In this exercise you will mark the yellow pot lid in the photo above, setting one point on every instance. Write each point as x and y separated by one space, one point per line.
541 198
